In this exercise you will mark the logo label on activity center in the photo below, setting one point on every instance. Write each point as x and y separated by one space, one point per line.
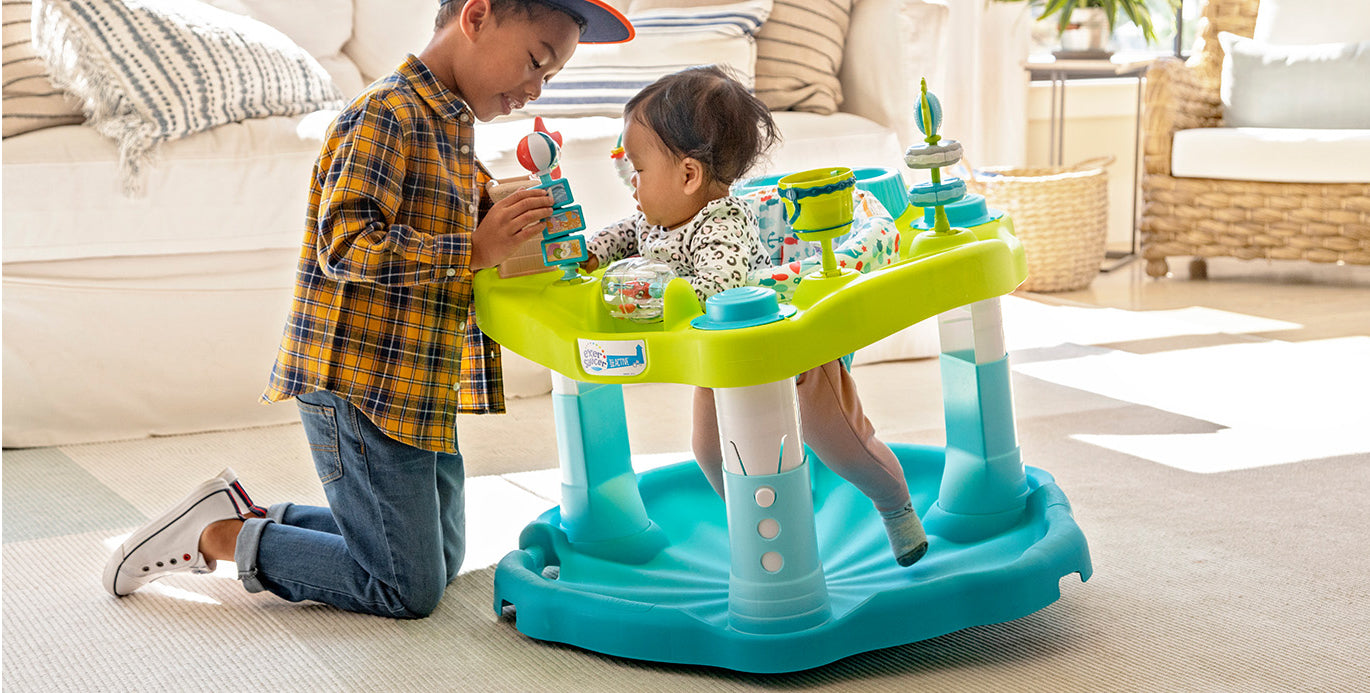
617 357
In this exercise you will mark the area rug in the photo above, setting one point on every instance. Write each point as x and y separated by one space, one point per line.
1221 480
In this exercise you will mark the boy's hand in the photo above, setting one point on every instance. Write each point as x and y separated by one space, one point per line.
509 223
591 264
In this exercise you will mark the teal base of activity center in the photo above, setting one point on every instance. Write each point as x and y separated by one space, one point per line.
671 603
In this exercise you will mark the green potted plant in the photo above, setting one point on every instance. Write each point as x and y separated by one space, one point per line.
1085 25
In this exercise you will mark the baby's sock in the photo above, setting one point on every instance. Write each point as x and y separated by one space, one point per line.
907 538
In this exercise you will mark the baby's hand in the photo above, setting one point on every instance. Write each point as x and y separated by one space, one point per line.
509 223
591 264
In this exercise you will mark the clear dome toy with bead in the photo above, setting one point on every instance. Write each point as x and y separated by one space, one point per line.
634 288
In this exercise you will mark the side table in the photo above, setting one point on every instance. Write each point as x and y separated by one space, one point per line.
1058 72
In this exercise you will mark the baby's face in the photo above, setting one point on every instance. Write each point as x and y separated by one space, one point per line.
658 177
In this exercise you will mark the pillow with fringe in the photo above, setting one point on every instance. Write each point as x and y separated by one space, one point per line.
149 71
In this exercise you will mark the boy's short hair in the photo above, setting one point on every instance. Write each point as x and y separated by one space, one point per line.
532 9
706 114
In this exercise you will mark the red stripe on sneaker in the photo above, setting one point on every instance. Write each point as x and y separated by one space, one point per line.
253 507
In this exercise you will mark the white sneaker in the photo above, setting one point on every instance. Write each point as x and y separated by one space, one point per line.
170 543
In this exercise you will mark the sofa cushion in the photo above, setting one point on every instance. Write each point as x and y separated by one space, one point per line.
385 31
321 27
799 54
599 79
31 100
1272 154
241 186
1313 86
162 69
798 51
1299 22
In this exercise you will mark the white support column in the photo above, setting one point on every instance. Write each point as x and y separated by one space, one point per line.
974 333
759 428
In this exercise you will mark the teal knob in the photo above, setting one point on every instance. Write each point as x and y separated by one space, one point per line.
743 306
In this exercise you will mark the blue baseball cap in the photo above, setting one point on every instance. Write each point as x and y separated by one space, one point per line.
603 23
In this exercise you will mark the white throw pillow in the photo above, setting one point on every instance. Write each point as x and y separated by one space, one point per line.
599 79
1302 22
1278 86
385 31
149 71
321 27
318 26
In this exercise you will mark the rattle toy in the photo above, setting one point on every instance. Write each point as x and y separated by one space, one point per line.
936 195
539 152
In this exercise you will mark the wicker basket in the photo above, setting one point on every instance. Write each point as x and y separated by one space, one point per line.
1059 213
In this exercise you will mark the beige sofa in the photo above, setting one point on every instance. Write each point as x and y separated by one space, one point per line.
128 317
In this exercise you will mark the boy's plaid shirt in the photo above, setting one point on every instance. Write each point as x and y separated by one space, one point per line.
382 309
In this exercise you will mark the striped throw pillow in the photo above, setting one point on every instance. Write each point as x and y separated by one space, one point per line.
799 53
31 100
149 71
599 79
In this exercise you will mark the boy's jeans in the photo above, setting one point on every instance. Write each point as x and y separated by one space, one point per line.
395 536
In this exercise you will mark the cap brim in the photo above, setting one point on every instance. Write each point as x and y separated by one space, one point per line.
603 24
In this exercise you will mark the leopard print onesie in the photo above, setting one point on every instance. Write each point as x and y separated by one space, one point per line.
713 251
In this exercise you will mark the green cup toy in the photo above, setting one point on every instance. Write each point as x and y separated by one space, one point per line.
818 207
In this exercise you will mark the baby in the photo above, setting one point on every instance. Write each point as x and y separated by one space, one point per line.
689 136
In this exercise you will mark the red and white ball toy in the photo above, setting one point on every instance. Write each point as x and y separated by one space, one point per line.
538 152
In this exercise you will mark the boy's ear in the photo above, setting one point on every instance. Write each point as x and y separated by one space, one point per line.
474 16
692 173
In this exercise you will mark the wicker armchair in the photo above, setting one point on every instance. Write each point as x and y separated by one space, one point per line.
1206 217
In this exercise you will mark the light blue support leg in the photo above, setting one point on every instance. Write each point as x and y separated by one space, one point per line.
776 583
601 509
984 488
775 579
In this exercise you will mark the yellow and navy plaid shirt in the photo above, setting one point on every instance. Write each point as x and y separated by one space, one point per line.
382 310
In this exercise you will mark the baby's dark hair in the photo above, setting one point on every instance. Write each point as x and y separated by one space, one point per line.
532 9
706 114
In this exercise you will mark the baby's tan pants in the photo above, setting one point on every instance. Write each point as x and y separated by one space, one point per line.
833 425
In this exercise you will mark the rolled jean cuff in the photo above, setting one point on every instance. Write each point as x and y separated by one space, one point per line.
249 539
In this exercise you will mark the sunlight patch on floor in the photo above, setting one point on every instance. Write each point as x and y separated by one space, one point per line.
1278 401
161 587
1029 324
1232 449
496 511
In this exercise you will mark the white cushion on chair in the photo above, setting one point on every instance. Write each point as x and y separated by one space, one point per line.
1272 154
1322 85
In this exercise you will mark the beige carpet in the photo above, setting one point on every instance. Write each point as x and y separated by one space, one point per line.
1223 481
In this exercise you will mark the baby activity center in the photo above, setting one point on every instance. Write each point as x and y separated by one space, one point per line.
793 570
